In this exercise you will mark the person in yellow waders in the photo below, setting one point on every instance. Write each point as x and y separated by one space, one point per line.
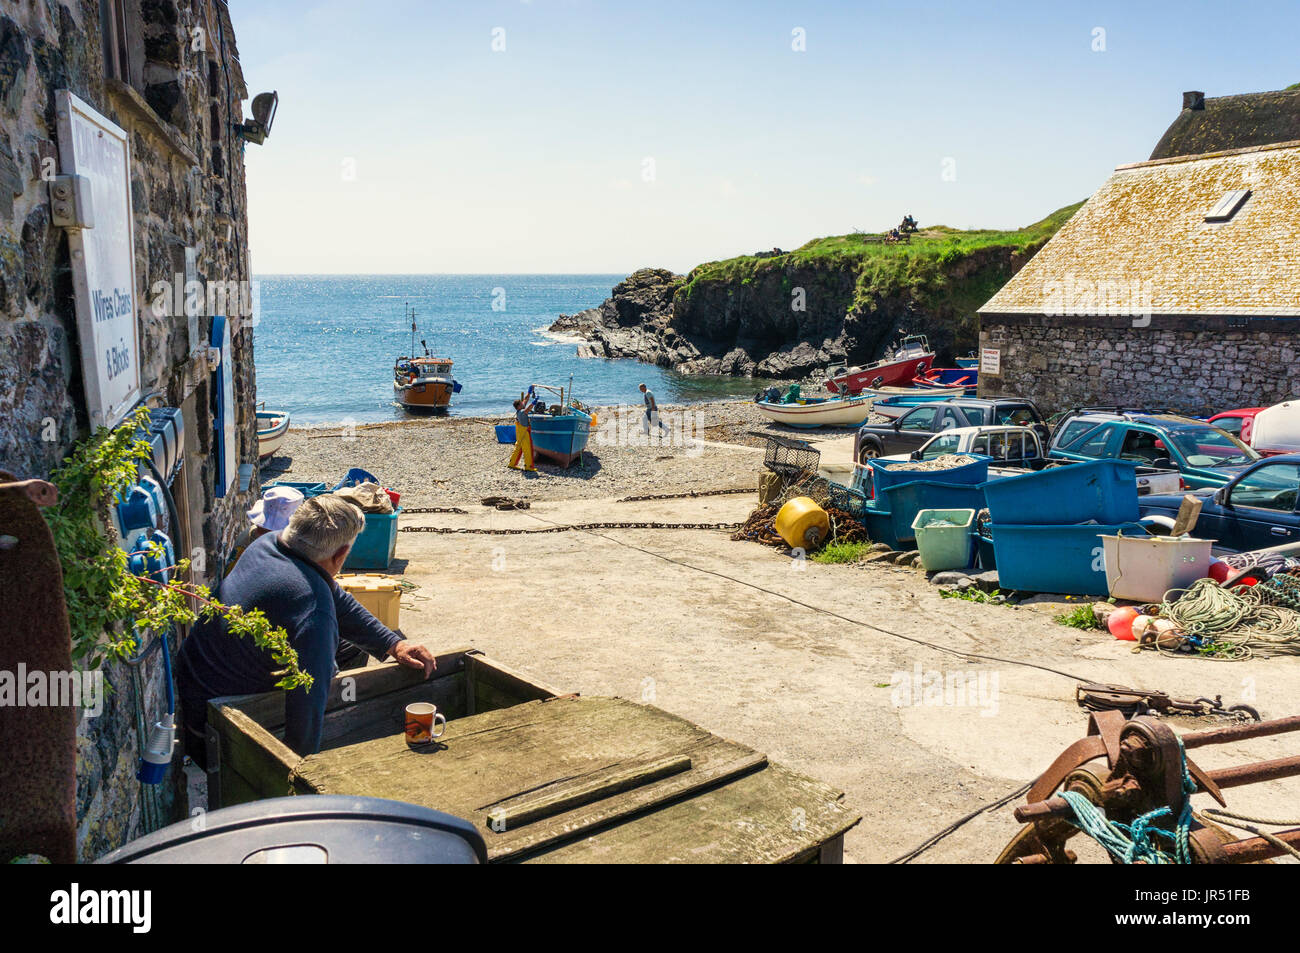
523 439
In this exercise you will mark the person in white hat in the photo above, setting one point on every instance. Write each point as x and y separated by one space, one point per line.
271 513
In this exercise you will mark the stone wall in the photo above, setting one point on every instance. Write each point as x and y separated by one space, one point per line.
178 92
1193 365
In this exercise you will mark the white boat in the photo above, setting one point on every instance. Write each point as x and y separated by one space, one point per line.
809 412
272 428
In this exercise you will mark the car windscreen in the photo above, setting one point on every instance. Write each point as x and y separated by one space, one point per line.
1210 447
1015 415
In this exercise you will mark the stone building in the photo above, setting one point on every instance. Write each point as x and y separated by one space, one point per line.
1177 285
167 73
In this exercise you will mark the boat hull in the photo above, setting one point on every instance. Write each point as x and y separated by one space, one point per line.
272 428
893 374
838 412
560 439
895 405
430 395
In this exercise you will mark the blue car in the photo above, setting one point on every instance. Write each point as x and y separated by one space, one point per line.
1255 510
1205 456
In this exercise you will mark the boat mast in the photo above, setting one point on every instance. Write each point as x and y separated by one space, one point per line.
411 314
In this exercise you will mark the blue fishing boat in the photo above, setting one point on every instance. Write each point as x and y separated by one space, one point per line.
895 405
560 431
970 360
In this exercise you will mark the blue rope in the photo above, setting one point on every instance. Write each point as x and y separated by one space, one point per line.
1135 843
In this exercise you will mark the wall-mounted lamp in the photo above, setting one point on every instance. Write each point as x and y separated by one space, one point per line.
259 127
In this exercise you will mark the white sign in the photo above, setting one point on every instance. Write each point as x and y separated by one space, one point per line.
103 259
990 361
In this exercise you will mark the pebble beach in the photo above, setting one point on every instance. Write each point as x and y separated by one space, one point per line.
447 460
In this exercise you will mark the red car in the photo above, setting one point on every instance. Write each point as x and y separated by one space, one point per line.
1237 422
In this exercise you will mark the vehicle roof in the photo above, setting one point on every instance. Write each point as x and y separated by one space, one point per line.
1168 421
1239 412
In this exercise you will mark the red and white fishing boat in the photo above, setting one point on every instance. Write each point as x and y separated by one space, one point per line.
904 360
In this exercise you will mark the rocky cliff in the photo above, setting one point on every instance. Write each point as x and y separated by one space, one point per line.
787 314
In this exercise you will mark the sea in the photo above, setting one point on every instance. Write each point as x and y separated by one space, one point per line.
324 345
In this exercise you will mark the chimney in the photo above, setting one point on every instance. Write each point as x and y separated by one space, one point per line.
1194 100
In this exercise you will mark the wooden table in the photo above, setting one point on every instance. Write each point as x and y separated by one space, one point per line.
574 779
546 777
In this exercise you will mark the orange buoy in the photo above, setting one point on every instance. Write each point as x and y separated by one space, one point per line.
1120 623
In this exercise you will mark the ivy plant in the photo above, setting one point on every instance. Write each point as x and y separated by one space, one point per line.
109 607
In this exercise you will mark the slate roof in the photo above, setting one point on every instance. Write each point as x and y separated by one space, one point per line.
1144 233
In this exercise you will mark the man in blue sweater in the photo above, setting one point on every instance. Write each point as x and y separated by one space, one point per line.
290 577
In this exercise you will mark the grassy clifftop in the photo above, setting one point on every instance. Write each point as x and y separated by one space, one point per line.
938 245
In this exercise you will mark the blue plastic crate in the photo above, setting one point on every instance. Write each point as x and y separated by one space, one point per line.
1065 559
505 433
308 490
375 547
1101 490
876 479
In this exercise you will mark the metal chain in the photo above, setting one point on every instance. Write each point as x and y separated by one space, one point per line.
450 530
408 511
687 495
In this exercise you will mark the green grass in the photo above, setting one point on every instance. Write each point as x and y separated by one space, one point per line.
1081 618
838 552
914 262
971 594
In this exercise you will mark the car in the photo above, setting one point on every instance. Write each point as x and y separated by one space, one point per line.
1256 509
918 425
1018 450
1009 446
1236 422
1205 456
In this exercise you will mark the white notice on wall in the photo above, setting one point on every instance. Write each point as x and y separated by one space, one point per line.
990 361
103 259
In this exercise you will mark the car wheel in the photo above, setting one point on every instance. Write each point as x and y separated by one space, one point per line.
868 451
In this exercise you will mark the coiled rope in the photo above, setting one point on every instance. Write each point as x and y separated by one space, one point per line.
1231 624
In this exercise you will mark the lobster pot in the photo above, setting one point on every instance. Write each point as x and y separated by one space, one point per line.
791 458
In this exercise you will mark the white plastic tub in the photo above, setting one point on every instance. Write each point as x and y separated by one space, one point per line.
1144 568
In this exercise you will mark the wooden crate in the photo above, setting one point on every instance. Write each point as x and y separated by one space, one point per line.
245 731
545 777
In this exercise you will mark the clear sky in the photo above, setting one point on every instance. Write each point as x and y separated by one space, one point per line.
609 136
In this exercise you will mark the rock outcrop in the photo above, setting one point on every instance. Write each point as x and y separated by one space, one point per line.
788 314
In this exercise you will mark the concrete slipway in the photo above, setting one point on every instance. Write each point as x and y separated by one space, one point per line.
678 617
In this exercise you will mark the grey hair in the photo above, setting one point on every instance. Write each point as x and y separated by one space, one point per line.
321 526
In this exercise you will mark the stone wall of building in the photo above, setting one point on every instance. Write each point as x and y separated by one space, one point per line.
1195 366
174 84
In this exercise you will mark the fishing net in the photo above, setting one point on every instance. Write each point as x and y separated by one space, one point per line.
840 504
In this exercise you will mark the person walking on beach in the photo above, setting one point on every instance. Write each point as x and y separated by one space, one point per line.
651 412
523 438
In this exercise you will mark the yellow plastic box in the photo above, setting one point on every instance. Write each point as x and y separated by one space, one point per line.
381 594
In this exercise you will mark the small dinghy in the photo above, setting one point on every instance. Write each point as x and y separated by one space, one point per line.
272 427
964 381
806 413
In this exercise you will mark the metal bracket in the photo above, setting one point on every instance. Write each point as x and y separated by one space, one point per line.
70 204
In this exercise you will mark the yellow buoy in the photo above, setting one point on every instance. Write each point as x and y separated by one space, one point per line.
802 523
